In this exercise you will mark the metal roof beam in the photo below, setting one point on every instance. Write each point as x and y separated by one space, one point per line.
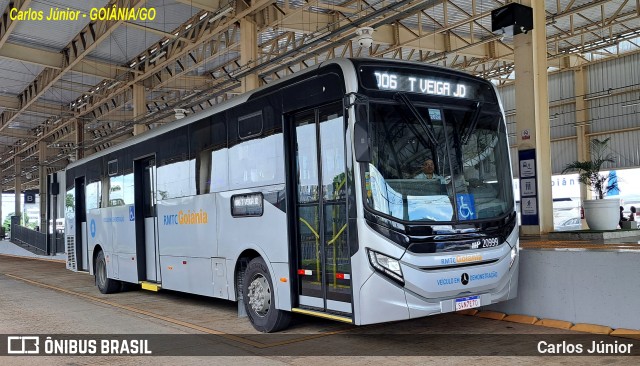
14 103
577 9
6 24
81 45
209 5
54 60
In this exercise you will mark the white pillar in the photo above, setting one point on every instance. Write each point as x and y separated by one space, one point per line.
532 116
139 108
249 52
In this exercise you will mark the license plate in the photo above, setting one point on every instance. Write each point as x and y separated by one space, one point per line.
467 302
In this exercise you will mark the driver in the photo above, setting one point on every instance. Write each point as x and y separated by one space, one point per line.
428 172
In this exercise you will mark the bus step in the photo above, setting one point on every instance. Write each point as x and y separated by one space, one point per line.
150 286
319 314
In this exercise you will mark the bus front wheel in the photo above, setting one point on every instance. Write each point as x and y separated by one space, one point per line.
105 284
259 299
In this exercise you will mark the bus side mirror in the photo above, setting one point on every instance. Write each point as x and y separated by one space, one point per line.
361 136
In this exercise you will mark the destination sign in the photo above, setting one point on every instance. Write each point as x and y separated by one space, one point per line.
415 84
426 82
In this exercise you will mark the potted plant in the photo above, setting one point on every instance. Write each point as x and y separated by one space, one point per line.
600 213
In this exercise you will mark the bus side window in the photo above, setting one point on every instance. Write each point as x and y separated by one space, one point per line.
204 172
93 192
116 191
174 178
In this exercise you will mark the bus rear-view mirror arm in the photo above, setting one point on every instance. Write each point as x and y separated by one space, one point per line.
361 131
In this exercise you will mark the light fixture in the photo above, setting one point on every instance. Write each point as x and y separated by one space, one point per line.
113 85
180 113
599 95
220 13
581 124
632 104
156 57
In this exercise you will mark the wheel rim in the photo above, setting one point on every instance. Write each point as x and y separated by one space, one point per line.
259 295
101 273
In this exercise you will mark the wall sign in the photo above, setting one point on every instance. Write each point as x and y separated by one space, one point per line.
29 197
528 190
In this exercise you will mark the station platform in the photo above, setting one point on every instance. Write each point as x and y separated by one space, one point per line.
579 281
10 249
544 242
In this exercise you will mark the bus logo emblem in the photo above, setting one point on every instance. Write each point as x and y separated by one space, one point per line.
92 228
464 278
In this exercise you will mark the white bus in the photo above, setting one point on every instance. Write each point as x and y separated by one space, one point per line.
313 195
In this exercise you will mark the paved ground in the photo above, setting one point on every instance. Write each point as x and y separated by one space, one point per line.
42 297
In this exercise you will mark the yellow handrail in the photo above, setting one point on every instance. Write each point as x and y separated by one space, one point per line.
330 242
310 228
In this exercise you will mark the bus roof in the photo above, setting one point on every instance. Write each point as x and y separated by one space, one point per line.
342 62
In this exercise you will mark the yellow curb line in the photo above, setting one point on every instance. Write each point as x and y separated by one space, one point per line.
523 319
553 323
491 315
626 333
592 328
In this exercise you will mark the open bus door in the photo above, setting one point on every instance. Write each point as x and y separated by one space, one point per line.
146 218
322 257
82 251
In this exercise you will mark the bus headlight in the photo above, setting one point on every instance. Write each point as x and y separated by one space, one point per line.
514 254
386 265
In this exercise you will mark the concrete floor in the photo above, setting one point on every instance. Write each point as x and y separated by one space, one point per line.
42 297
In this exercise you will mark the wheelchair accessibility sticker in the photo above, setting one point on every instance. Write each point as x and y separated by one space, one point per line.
466 207
132 214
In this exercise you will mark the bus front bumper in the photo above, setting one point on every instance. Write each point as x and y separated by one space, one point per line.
393 302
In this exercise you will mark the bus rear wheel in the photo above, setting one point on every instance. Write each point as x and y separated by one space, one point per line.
259 299
105 284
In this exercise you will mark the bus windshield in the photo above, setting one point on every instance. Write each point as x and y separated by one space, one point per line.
438 163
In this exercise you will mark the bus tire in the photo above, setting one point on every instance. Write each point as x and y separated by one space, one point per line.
105 284
259 299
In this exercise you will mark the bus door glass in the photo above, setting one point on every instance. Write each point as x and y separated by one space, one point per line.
82 252
146 168
323 260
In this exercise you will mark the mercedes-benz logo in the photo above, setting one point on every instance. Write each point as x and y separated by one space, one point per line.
464 278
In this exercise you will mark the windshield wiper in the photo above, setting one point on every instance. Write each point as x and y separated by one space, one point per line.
427 125
472 124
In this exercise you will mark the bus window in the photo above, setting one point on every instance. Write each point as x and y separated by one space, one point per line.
250 125
255 162
93 195
213 170
175 179
116 188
